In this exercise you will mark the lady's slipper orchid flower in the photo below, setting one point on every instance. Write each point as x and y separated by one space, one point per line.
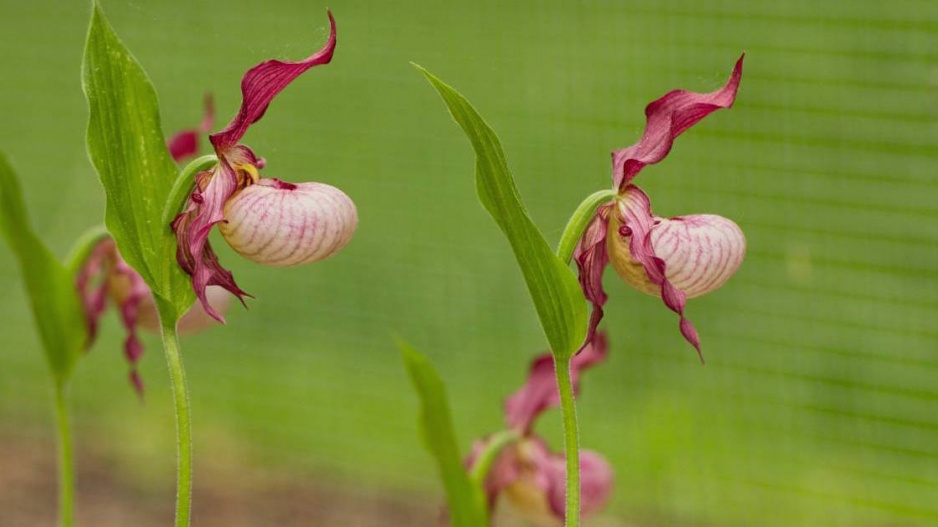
265 220
531 476
674 258
104 275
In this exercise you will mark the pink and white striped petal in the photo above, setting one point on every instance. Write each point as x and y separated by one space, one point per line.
283 224
700 251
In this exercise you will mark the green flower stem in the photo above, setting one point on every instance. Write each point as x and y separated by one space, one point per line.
571 441
66 458
487 457
579 221
575 228
177 376
183 186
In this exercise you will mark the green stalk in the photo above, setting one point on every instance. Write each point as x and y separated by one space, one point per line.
177 375
66 458
572 233
571 441
579 221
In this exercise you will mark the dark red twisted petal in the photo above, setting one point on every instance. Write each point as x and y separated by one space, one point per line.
193 251
540 391
129 309
667 118
261 84
91 283
186 143
639 219
591 259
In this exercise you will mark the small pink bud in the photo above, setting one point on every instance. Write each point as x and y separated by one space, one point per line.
701 252
282 224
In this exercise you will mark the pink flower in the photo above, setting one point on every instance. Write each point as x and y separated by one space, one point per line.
105 276
532 477
186 143
673 258
265 220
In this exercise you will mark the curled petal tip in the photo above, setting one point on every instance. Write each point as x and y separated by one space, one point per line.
284 224
666 119
208 121
262 83
137 382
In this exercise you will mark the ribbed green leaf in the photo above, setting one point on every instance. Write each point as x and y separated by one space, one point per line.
553 287
127 148
466 501
51 288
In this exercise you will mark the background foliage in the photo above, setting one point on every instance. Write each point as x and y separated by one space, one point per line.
817 406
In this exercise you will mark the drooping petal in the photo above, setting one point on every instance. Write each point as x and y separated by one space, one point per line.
633 222
591 259
186 142
282 224
540 391
667 118
192 227
196 319
262 83
135 292
91 282
596 479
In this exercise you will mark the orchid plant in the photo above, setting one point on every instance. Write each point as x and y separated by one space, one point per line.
155 264
674 258
522 467
160 217
70 297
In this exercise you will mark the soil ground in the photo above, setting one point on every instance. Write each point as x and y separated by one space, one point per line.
250 497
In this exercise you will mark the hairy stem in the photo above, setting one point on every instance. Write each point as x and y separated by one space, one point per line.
177 376
571 441
66 458
579 221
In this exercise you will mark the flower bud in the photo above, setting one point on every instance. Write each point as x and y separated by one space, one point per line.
700 251
538 490
282 224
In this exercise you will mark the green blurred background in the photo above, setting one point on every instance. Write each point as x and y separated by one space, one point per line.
818 402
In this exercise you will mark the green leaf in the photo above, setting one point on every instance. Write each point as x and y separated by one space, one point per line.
128 150
51 288
557 296
466 501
